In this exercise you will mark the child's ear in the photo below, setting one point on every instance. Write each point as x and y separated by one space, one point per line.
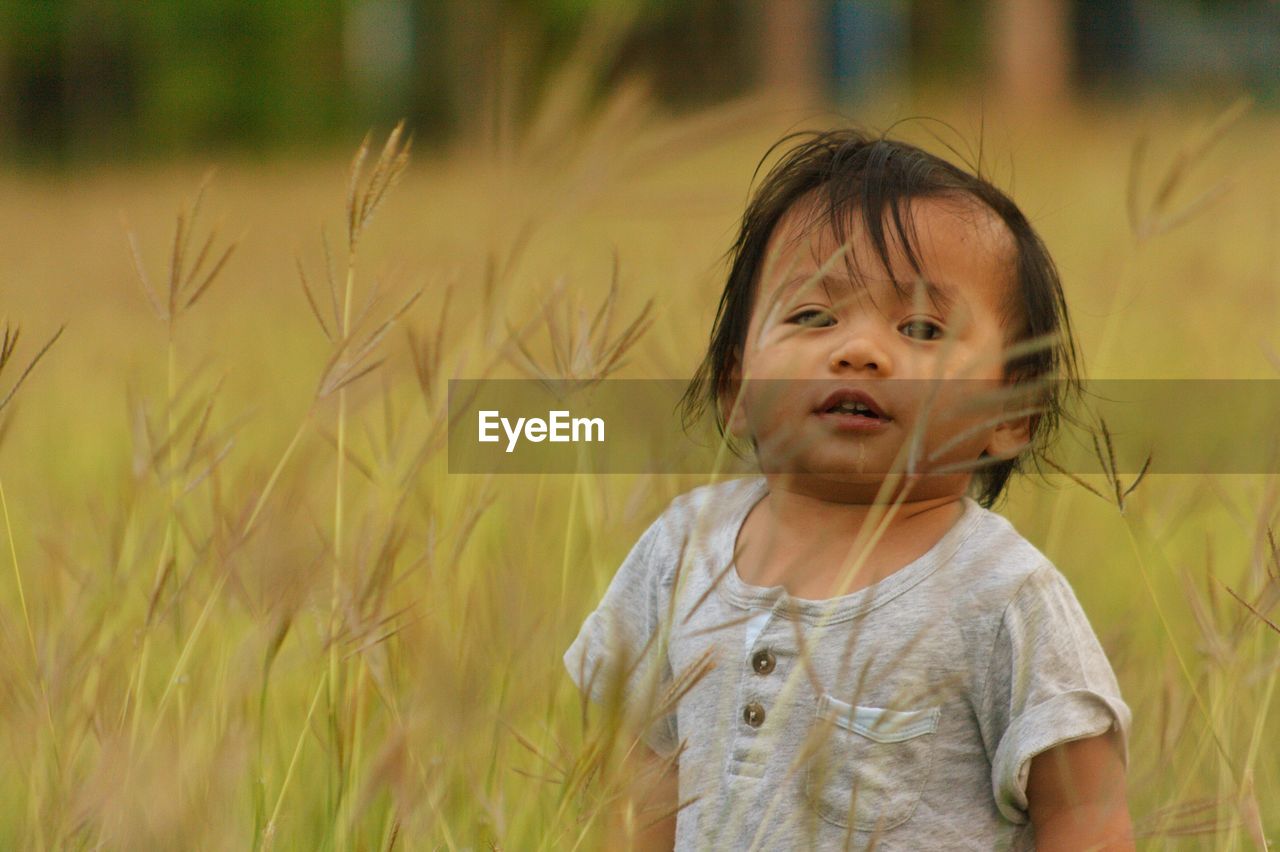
1010 438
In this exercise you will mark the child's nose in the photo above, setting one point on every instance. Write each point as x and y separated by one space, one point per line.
861 350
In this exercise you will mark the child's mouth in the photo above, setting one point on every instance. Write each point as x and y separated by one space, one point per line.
855 416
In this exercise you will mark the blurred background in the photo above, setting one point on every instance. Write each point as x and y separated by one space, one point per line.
242 598
110 79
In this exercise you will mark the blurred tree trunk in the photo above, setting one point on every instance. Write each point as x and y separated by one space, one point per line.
793 49
1030 50
473 30
8 97
97 79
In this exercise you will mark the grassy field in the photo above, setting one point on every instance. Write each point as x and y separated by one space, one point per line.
245 605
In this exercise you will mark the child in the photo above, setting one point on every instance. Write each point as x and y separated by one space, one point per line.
850 650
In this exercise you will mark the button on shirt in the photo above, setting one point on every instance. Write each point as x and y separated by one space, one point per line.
903 715
763 661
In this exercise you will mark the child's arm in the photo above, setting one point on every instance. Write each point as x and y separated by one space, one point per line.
1052 708
1076 797
619 659
645 819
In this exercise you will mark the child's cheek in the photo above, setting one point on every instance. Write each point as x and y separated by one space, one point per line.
959 419
785 356
775 408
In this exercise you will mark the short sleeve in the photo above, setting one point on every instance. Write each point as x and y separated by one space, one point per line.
1048 683
619 657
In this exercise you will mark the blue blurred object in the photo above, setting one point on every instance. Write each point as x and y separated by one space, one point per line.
871 41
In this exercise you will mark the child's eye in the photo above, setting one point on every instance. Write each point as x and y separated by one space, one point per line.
813 318
919 329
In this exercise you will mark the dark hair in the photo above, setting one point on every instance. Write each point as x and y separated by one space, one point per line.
851 173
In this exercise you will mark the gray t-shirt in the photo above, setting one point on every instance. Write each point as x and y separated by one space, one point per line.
903 715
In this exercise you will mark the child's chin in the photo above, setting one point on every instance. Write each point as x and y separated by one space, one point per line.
852 462
861 473
837 474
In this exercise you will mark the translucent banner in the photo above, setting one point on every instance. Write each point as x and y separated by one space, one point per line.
871 427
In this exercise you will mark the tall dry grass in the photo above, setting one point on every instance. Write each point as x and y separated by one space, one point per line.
248 607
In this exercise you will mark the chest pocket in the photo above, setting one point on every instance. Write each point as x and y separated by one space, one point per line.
870 764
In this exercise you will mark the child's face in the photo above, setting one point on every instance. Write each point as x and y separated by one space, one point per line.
834 331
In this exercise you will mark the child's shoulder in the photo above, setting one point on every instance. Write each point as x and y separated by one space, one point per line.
709 506
997 544
717 500
701 518
997 564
